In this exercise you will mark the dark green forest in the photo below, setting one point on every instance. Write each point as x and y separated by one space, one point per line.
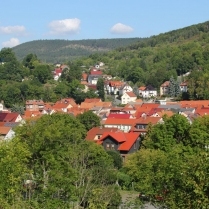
52 51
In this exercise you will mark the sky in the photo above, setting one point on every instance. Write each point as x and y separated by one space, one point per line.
27 20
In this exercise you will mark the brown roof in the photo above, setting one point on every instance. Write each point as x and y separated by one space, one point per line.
98 131
165 84
131 94
113 121
8 117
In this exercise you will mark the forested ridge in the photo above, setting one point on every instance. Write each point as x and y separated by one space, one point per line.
52 51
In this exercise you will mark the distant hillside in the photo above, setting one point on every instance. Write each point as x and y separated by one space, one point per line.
64 50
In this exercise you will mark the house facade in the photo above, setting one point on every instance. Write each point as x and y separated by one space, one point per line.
125 88
128 97
147 91
164 88
124 143
34 105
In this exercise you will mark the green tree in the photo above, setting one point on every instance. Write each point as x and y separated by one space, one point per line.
100 88
89 120
66 168
42 73
117 159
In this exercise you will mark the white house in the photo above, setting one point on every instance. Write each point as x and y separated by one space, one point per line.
183 86
125 88
147 92
128 97
164 88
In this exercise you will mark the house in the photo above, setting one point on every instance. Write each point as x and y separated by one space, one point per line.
164 88
125 88
57 73
128 97
6 133
124 143
183 86
34 105
142 123
64 104
112 87
147 92
93 79
94 76
122 124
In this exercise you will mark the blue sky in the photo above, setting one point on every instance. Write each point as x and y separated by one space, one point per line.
23 20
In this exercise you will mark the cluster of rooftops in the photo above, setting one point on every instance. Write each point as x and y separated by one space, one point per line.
121 128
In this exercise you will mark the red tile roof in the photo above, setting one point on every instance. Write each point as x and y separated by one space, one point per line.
8 117
95 72
4 130
114 121
92 133
126 139
119 116
131 139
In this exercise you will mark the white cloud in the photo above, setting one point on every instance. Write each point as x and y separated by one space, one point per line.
11 43
17 29
121 28
65 26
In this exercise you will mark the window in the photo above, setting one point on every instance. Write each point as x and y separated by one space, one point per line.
112 146
107 146
98 137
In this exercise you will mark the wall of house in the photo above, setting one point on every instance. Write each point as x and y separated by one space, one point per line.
109 140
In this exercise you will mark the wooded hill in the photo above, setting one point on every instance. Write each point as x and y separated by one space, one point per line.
51 51
155 59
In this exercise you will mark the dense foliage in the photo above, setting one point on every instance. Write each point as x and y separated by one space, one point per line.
173 164
49 165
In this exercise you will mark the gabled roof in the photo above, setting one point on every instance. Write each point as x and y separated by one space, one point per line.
98 131
117 84
131 139
130 94
126 140
165 84
142 88
8 117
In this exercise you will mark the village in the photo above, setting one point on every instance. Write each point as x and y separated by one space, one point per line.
122 123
